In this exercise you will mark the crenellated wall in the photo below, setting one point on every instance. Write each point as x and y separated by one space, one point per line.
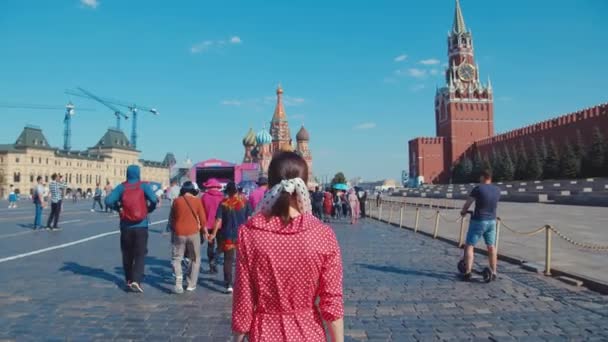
560 129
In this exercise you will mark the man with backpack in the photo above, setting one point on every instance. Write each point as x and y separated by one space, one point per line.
133 200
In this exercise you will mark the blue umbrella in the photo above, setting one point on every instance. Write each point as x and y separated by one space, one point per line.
341 186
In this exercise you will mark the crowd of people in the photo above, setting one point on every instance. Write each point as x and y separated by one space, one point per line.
286 278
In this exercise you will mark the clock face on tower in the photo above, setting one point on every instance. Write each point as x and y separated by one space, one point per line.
466 72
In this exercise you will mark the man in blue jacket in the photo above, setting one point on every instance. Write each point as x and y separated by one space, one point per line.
133 234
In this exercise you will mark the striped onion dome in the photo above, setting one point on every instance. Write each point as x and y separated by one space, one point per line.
263 137
249 139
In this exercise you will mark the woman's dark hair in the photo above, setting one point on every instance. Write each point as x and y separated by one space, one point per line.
188 187
285 165
231 189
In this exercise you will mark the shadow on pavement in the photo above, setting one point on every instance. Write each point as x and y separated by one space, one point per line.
98 273
410 272
25 226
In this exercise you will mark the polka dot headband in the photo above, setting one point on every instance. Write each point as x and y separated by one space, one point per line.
291 186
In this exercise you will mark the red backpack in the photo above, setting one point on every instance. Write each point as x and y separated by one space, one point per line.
134 206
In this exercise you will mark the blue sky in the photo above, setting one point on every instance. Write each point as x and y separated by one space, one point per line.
360 75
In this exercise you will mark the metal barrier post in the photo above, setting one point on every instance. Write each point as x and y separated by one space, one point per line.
417 219
436 225
461 236
380 212
401 217
390 213
548 251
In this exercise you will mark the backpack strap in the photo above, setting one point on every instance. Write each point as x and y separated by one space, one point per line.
198 222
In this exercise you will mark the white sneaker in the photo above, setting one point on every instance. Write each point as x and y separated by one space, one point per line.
178 289
229 289
135 287
92 210
191 288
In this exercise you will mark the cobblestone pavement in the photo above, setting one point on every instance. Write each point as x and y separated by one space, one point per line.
398 287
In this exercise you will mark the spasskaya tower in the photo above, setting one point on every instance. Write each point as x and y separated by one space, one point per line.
464 110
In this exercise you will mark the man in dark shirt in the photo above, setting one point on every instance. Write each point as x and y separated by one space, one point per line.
483 221
317 203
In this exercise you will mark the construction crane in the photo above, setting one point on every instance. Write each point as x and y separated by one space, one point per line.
87 94
131 106
70 110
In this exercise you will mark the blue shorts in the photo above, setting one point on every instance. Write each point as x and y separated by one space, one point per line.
479 228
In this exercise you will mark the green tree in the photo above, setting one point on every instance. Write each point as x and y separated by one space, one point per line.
477 166
552 162
498 166
462 171
508 166
542 150
534 169
521 163
597 154
338 178
568 162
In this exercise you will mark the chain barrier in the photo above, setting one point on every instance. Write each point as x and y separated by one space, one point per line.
450 220
576 243
530 233
429 217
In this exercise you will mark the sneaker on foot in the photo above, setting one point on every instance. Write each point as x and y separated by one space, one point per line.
136 287
494 276
466 277
56 228
178 289
190 288
229 289
92 210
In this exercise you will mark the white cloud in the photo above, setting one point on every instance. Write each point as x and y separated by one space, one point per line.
366 125
297 116
90 3
417 87
416 73
431 61
293 101
231 103
201 47
208 44
400 58
434 72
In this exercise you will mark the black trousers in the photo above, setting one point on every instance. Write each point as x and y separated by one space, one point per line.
363 207
134 247
54 216
211 252
317 210
229 258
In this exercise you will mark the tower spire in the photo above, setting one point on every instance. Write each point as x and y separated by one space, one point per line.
458 26
279 111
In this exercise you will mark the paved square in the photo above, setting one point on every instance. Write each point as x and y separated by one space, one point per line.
398 287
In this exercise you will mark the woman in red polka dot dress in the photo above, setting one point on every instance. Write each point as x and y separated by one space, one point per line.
287 260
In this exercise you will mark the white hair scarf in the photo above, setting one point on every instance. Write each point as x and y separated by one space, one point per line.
292 186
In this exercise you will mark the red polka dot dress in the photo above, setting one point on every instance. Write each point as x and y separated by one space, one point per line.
281 270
